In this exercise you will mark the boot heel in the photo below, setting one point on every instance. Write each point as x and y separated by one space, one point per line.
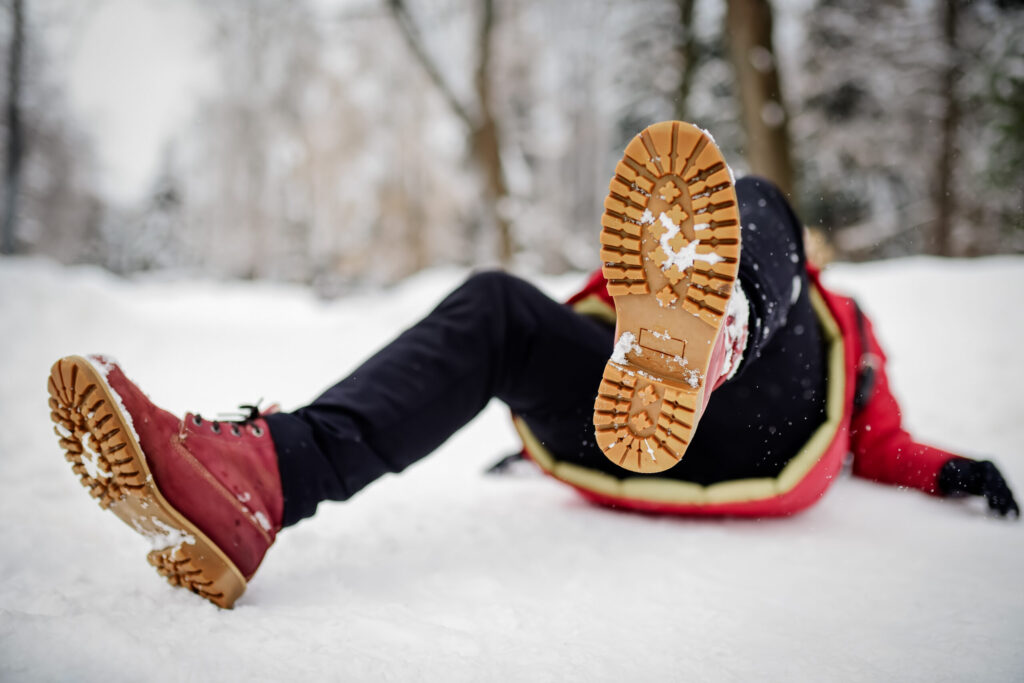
187 566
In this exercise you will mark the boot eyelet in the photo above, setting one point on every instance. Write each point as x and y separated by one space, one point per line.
235 430
257 430
215 428
196 420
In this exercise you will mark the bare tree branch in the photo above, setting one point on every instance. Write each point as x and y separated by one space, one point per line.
485 142
415 43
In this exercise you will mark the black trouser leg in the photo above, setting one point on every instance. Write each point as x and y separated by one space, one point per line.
496 335
773 264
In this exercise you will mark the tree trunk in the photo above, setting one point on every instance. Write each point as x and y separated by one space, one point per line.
944 198
687 57
749 31
486 142
15 134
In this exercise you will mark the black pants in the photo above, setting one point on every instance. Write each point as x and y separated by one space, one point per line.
497 335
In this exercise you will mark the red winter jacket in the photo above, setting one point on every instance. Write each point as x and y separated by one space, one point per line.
882 450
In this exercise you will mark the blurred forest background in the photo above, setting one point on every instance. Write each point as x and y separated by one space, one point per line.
340 142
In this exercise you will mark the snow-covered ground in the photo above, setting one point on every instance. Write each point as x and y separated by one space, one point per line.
444 574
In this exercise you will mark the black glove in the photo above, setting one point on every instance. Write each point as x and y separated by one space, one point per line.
960 476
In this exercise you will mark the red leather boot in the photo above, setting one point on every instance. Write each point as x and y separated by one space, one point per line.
670 251
206 494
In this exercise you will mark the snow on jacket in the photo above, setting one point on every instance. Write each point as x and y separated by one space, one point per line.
867 426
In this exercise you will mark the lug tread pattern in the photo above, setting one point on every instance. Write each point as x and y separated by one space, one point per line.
93 439
625 429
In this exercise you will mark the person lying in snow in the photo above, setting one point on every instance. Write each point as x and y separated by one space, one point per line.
739 360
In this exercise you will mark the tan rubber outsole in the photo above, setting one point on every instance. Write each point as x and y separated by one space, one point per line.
101 446
670 251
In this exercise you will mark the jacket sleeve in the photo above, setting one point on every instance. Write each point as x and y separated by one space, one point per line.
882 449
596 286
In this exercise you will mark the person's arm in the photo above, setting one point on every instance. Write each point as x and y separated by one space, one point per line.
885 452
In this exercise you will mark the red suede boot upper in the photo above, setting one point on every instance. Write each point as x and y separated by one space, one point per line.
725 356
222 476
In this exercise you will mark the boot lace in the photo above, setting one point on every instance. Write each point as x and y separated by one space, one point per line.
237 420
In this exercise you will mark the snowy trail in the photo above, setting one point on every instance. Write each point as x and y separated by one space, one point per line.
442 574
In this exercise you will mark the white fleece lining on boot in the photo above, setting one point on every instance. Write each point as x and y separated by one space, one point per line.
738 311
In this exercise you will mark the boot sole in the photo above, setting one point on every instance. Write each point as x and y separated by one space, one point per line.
99 441
671 189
